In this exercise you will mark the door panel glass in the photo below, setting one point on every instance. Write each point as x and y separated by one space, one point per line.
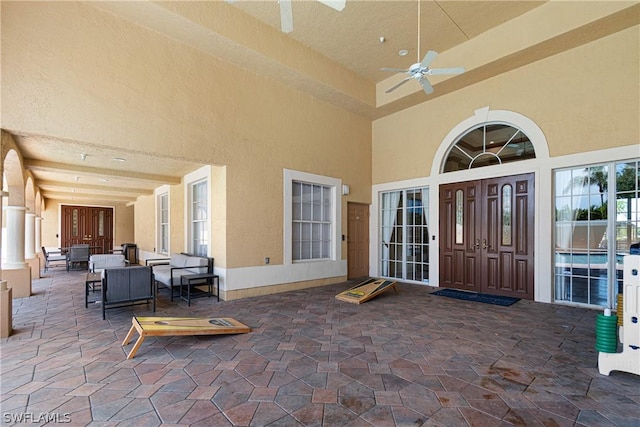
74 223
506 215
459 217
101 223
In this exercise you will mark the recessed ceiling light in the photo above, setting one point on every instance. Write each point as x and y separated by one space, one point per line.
119 159
403 52
104 180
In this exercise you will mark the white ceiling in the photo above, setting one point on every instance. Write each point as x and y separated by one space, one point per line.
350 38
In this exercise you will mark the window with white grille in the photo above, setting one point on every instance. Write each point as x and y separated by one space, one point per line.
311 217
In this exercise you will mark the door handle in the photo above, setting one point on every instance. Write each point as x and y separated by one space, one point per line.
484 244
477 245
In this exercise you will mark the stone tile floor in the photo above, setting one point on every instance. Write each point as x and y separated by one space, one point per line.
406 359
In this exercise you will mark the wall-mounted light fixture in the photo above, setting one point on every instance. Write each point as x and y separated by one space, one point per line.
345 190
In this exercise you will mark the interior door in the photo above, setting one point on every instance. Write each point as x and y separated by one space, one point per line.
357 240
486 236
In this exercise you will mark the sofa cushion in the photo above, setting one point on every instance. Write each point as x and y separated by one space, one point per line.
197 264
179 260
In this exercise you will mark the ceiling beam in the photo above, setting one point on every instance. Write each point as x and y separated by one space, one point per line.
43 166
102 189
88 197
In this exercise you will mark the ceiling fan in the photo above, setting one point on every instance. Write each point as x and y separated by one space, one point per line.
286 13
420 70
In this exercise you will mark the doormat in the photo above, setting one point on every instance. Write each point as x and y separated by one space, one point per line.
473 296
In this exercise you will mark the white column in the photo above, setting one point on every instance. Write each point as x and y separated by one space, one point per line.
38 233
2 194
15 220
29 235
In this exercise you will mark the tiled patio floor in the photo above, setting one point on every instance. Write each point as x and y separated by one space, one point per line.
406 359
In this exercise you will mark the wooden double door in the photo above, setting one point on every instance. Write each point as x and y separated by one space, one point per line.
92 225
487 236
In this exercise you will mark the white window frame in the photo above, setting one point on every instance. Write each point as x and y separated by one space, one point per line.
335 184
159 194
201 175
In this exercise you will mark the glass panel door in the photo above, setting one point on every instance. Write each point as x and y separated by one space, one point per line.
404 252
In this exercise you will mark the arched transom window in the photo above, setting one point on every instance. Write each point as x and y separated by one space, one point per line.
489 144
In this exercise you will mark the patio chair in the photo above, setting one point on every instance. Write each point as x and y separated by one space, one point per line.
53 256
127 286
78 255
99 262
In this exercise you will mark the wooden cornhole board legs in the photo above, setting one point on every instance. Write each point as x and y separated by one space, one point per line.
174 326
366 290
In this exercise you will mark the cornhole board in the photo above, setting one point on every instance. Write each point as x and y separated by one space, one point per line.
366 290
174 326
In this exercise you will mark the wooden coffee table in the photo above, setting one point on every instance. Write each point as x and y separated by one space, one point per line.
173 326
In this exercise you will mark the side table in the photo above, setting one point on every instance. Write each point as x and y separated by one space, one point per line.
202 279
90 281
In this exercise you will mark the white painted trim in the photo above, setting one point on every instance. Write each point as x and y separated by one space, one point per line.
336 185
259 276
234 279
157 193
485 115
542 167
189 179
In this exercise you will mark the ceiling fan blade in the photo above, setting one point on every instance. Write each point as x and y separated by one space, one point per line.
286 16
428 58
394 70
398 85
334 4
426 85
455 70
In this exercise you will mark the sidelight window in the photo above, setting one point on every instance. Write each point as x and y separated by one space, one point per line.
591 234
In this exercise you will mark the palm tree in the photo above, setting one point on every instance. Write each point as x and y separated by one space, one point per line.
594 176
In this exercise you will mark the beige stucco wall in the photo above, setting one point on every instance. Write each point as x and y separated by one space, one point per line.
173 100
145 220
583 100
